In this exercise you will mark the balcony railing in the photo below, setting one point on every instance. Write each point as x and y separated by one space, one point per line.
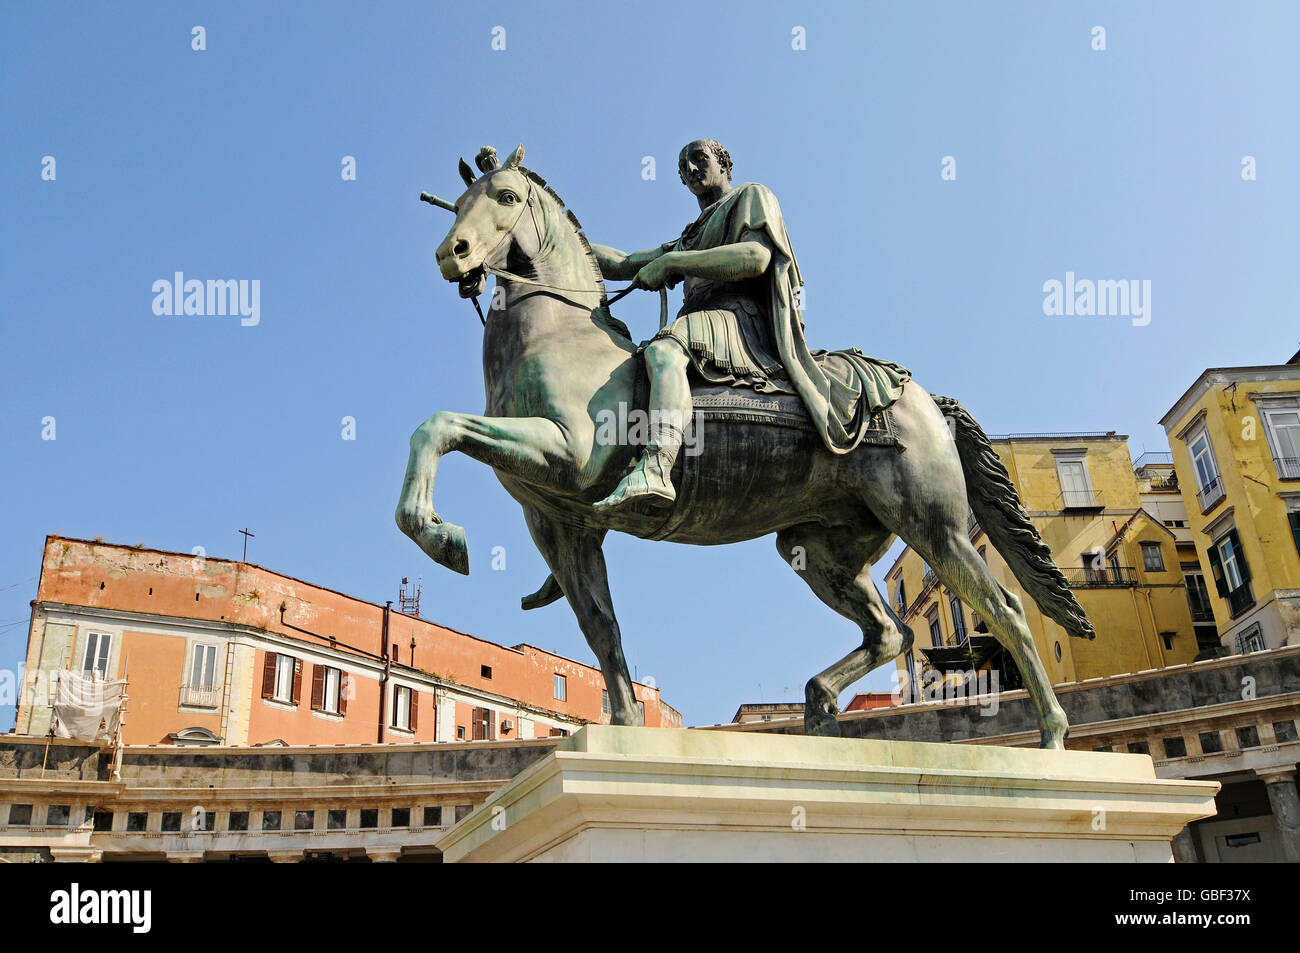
1081 500
1202 614
200 697
1156 457
1288 468
1241 599
1085 577
1210 494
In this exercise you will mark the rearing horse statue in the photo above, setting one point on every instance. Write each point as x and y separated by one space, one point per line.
557 364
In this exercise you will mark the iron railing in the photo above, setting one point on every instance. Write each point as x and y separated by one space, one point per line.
1210 494
1111 577
1241 599
1081 500
200 697
1288 468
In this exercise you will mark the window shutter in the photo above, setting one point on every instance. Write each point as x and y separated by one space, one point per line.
345 686
297 681
317 687
1216 570
415 707
1295 528
491 718
268 676
1241 557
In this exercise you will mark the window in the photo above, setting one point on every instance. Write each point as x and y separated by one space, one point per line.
401 817
1168 639
282 678
203 669
460 732
369 818
559 733
171 822
1284 731
1248 737
1208 485
561 688
1076 490
640 706
95 661
900 597
137 822
936 632
304 820
102 821
1252 640
485 671
237 821
484 724
336 819
1175 748
604 702
1231 573
271 820
1211 742
1282 425
1198 597
958 619
1293 517
20 815
1138 747
328 692
405 702
433 816
1153 559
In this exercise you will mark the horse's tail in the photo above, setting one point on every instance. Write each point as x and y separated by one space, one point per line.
997 506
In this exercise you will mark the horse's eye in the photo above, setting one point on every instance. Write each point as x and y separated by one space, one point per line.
508 198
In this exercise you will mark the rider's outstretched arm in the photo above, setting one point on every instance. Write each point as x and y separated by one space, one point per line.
620 266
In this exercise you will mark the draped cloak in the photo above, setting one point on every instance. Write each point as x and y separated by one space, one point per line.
841 391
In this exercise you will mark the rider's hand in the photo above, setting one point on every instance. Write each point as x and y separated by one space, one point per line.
657 274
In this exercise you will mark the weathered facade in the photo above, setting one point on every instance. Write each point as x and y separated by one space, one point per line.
223 652
1235 436
1233 720
66 801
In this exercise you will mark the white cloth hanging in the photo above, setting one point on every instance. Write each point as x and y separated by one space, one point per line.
87 709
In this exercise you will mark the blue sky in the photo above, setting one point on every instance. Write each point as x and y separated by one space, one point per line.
225 163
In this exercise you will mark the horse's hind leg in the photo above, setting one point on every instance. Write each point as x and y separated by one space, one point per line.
836 564
960 568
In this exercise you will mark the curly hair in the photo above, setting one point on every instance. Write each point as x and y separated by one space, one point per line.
719 152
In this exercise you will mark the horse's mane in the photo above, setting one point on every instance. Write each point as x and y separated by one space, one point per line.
614 323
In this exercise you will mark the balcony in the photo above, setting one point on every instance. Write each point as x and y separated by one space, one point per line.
1202 614
1082 500
1210 494
200 697
1240 599
1288 468
1111 577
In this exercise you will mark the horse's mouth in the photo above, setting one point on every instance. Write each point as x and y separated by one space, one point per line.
472 283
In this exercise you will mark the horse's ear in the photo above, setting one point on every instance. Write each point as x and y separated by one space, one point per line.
516 157
465 172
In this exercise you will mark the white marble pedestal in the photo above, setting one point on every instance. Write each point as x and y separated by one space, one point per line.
658 794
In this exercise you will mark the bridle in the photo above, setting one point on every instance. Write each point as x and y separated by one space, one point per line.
475 279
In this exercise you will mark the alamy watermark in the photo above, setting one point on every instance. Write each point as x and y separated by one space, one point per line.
182 296
1123 297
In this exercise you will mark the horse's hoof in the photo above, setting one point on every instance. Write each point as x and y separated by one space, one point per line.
819 712
444 543
544 596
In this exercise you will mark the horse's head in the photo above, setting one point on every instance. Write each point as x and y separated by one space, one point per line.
486 216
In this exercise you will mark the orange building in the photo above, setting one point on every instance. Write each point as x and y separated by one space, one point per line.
220 651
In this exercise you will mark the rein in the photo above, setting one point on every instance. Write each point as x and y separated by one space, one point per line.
474 278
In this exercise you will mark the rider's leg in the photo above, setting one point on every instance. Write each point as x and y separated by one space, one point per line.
670 407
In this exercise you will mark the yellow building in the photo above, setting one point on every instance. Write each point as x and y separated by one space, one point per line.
1119 533
1235 436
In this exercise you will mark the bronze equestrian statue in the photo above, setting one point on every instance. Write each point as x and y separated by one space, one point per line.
835 452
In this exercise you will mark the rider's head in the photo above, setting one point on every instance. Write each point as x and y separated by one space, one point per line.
704 164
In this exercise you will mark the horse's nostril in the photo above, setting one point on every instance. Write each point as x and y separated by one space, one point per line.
460 249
